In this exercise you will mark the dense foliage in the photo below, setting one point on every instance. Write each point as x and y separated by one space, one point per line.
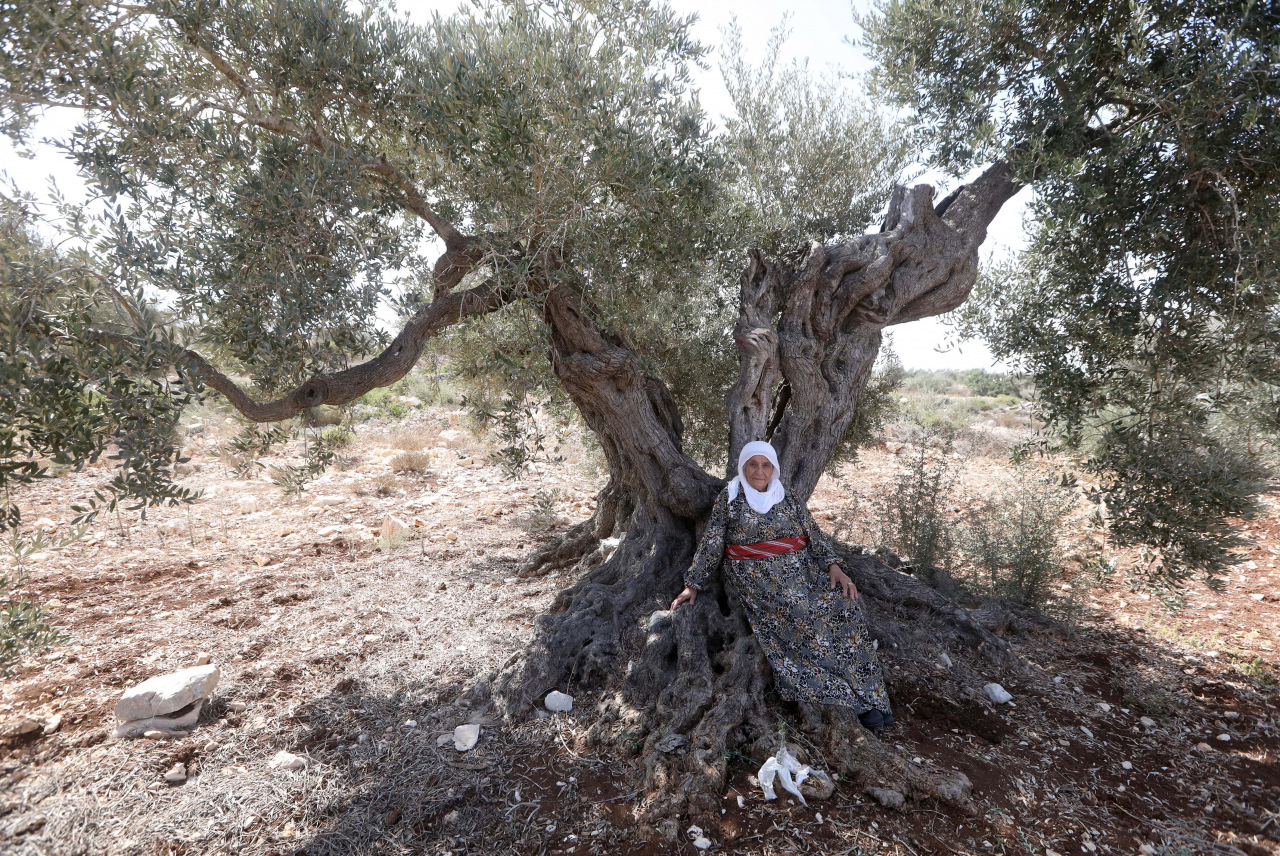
86 371
1146 307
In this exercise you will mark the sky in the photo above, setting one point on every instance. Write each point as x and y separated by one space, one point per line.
821 32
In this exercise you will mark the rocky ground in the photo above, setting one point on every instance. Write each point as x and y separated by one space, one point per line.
1140 731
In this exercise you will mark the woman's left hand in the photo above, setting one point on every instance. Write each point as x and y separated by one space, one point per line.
839 578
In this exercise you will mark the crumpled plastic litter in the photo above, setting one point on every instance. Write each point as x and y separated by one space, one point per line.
700 841
784 767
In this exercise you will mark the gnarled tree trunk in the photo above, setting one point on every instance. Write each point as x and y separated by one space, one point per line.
694 681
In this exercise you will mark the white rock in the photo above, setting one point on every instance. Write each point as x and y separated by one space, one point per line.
287 761
45 523
1225 738
237 706
1231 714
442 740
944 660
1204 747
558 702
177 773
997 693
329 500
1087 732
1147 722
165 694
465 737
394 527
202 659
1126 765
702 842
1104 707
451 436
172 726
248 504
163 734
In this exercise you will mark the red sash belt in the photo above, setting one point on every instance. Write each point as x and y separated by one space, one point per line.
765 549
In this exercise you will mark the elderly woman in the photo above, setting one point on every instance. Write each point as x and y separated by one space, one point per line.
814 635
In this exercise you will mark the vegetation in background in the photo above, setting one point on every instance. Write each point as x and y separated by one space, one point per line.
520 436
542 514
1147 307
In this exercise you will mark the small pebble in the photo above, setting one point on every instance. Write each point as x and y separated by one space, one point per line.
1224 737
1125 765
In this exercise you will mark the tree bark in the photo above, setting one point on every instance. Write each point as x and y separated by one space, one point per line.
397 360
814 318
693 685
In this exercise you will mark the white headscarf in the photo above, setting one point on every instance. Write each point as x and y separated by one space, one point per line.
759 500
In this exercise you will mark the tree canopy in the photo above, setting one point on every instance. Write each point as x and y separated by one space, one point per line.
1146 306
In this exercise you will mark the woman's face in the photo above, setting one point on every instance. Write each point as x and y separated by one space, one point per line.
759 472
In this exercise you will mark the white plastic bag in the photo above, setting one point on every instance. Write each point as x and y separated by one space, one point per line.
790 772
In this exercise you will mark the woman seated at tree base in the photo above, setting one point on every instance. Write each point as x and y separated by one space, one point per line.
813 634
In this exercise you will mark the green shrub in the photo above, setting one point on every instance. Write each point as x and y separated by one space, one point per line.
542 512
24 627
913 515
1011 544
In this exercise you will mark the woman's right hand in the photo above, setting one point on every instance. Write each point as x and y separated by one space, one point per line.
689 595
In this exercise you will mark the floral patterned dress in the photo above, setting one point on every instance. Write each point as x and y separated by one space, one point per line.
815 638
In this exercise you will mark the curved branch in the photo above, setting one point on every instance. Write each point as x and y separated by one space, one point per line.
349 384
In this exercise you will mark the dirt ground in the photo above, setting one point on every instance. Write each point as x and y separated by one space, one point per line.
1141 731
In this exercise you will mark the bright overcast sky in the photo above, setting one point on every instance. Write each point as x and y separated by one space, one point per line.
820 32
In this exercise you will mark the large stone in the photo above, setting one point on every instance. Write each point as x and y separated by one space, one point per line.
176 724
451 436
166 694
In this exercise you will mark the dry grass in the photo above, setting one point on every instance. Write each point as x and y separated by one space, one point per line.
411 462
385 484
410 441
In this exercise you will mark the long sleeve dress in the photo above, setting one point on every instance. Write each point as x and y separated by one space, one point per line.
815 638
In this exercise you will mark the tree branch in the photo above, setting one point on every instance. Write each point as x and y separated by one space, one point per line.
349 384
412 199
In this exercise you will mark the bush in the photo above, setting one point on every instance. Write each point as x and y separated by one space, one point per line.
410 462
542 512
1012 543
913 519
24 627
